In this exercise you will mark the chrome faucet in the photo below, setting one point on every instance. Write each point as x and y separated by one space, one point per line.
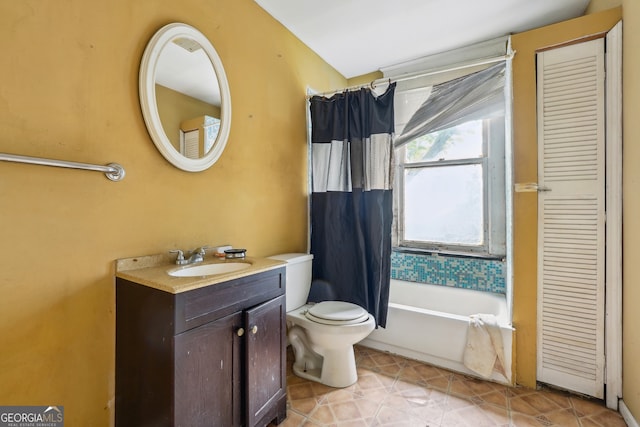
197 255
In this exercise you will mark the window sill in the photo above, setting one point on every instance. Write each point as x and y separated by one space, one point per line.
454 254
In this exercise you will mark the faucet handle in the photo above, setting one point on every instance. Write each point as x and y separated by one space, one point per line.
180 258
201 250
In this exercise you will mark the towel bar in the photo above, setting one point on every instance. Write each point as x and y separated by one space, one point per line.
113 171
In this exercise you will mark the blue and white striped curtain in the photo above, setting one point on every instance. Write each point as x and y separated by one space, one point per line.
351 203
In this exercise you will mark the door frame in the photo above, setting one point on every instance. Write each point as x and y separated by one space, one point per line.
613 234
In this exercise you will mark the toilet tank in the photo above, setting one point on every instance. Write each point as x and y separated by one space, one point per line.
298 278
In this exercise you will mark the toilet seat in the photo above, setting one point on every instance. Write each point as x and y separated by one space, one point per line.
337 313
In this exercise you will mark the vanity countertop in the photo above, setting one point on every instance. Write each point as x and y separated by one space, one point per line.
151 270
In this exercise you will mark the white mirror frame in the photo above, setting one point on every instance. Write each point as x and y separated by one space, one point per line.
148 102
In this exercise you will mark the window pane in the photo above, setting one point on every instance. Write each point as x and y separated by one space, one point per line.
444 204
460 142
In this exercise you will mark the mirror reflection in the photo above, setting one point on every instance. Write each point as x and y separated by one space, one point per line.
184 97
188 97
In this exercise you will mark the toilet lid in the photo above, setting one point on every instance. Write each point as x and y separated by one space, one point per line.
337 313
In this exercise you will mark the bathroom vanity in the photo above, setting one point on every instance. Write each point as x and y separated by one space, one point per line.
200 351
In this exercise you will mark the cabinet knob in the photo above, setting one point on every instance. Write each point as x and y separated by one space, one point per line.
240 332
254 329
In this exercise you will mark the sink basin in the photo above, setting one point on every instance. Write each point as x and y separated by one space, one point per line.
209 269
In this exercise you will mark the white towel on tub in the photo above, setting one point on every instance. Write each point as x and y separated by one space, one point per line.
484 345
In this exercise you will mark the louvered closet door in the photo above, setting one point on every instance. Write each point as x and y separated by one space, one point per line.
571 217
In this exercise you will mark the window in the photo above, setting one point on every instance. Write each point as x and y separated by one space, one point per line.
450 191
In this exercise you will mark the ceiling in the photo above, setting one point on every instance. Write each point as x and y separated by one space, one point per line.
187 69
357 37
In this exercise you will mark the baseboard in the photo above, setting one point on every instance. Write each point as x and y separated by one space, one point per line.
626 414
451 365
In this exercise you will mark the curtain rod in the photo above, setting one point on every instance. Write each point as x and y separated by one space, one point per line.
417 75
113 171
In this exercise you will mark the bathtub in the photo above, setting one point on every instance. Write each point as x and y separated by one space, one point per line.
429 323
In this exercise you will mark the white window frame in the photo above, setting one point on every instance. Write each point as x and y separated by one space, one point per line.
494 208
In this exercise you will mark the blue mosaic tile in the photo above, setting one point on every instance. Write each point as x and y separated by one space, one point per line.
468 273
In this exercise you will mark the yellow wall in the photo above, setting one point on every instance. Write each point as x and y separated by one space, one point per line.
364 79
69 73
600 5
631 207
525 171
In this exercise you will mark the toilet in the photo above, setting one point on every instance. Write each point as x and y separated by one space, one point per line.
322 335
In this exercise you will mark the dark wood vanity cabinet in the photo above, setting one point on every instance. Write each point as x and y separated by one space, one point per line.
213 356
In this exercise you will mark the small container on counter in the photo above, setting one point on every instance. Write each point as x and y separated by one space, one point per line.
234 253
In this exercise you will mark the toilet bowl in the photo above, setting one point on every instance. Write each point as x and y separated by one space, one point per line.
322 335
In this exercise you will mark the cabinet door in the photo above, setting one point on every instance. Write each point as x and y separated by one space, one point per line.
266 362
207 374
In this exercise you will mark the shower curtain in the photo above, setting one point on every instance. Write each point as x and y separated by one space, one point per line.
351 202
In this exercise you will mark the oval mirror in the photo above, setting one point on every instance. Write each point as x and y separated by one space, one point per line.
184 96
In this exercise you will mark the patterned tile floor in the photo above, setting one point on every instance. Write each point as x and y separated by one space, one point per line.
394 391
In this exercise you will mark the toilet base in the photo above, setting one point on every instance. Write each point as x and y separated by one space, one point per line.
339 368
334 368
308 374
